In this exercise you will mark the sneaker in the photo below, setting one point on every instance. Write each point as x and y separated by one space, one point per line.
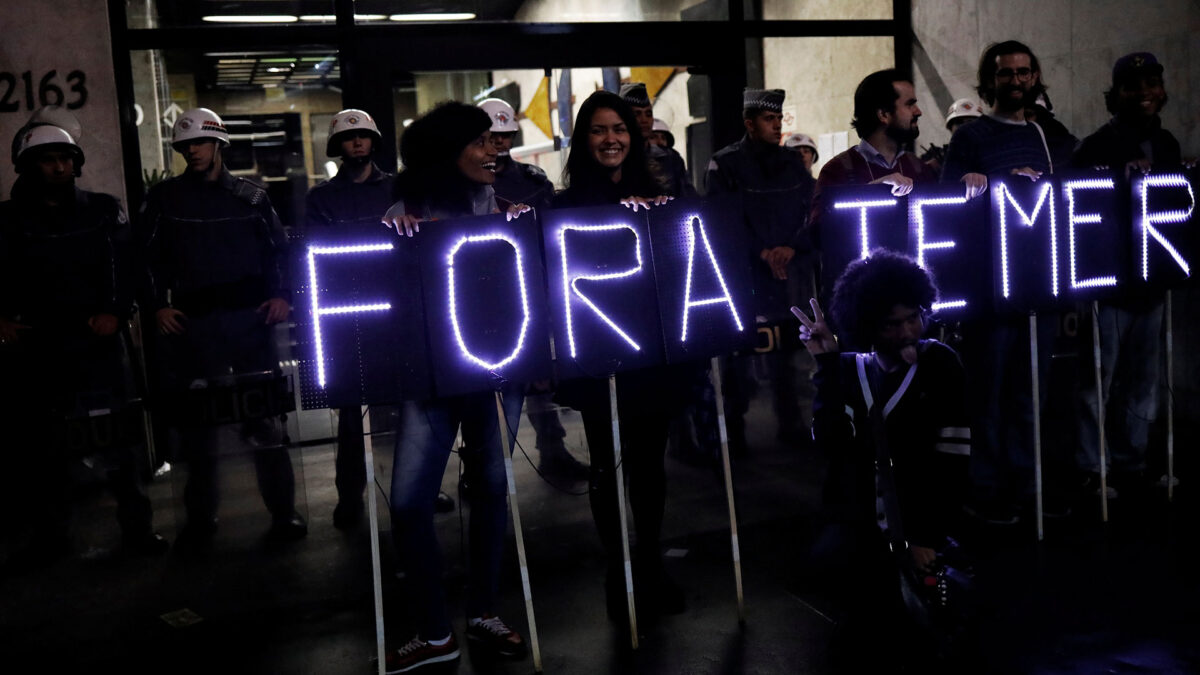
148 544
1091 486
443 503
290 528
492 634
418 653
559 463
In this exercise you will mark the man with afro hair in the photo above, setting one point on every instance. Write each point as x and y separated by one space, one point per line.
892 419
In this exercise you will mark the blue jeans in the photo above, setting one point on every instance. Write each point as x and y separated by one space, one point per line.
1131 346
423 444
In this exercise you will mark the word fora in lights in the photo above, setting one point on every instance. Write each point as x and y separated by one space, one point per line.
1041 205
613 239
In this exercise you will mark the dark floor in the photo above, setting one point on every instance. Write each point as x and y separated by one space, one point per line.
1119 598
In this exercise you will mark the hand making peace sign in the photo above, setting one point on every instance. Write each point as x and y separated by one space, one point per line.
815 333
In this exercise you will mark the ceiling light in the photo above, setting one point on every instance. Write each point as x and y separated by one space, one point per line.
447 16
333 17
251 18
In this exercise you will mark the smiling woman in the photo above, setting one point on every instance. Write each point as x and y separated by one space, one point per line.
449 169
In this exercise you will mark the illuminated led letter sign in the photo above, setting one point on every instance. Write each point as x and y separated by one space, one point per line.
571 280
1074 219
452 296
1003 201
484 313
922 243
694 225
1147 219
863 229
315 296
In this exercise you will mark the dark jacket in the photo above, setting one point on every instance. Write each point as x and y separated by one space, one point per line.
64 264
341 201
212 245
928 441
776 190
1118 142
670 165
521 183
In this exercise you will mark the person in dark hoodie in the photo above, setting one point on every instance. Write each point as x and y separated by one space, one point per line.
891 416
1130 327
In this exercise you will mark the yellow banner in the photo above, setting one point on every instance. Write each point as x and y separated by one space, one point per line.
538 111
654 78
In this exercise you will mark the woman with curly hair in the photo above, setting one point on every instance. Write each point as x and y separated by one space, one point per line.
449 170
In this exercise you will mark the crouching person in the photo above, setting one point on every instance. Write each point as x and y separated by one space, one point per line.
891 416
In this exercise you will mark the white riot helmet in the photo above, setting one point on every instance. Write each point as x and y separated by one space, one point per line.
199 123
56 115
800 141
351 119
47 137
963 107
504 118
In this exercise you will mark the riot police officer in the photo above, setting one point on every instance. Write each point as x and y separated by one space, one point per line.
64 299
215 255
357 196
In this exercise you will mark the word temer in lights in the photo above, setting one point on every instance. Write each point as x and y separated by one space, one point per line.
569 281
862 206
693 223
315 292
922 245
1001 198
1074 219
1150 219
458 336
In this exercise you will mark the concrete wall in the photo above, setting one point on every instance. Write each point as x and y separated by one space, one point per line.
774 10
72 35
1076 42
819 76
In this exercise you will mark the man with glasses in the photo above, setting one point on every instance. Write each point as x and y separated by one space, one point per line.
996 350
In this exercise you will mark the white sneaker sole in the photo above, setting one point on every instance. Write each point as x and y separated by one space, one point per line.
427 662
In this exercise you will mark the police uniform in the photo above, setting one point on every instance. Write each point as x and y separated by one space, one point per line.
520 183
342 203
776 193
673 170
215 250
63 264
